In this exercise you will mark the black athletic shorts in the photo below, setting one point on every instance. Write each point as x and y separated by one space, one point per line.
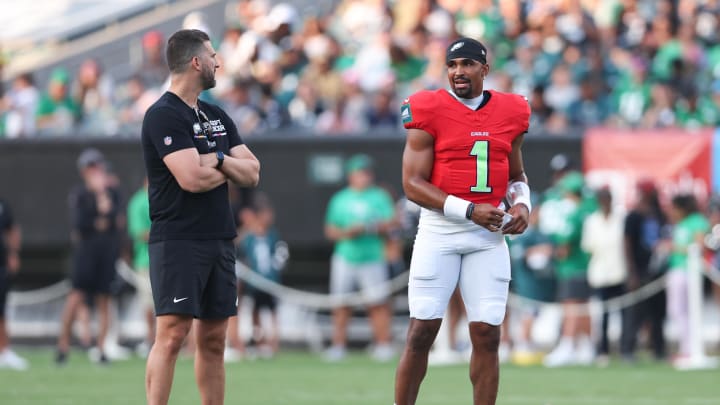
194 277
261 299
94 264
4 287
574 288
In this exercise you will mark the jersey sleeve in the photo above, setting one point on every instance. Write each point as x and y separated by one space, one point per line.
415 113
167 131
523 119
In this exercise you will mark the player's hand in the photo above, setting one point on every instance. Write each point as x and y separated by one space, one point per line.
355 231
488 216
103 202
519 221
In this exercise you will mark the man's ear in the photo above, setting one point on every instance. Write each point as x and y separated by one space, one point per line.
195 63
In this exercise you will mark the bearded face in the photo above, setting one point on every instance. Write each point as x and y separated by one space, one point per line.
208 76
208 66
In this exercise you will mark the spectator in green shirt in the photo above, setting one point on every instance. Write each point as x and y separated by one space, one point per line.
138 223
57 112
693 111
631 96
690 228
571 263
532 277
358 219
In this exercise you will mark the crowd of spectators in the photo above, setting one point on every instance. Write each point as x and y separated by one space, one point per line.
625 64
583 243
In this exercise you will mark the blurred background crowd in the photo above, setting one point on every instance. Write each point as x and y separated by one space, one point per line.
344 68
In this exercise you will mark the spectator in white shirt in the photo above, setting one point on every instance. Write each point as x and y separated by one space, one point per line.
603 239
21 104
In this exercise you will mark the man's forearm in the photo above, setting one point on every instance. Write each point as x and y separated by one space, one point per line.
208 178
242 171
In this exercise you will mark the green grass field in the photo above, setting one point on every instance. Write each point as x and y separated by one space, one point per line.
299 378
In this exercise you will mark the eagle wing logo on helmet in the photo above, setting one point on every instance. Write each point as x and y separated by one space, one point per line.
457 46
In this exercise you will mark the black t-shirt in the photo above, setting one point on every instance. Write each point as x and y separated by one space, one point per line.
84 212
643 233
171 125
6 222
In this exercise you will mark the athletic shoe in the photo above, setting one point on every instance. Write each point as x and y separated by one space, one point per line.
265 352
585 352
526 357
383 353
61 358
10 359
504 352
232 355
114 351
602 360
97 356
335 354
563 355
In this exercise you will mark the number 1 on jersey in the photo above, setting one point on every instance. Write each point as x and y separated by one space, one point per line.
480 151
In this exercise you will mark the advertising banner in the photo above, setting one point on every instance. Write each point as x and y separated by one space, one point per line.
676 160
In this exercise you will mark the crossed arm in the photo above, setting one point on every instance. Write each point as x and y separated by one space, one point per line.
196 173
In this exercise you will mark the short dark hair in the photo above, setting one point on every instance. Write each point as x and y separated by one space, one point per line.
260 202
182 46
685 203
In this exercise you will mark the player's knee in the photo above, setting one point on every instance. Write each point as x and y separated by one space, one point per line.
424 308
421 337
490 313
213 344
171 342
484 337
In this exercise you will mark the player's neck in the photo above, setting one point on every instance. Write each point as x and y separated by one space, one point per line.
187 91
472 103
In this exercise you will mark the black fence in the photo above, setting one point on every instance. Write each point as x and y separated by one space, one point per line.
299 174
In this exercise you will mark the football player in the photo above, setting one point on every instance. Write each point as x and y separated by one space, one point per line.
462 158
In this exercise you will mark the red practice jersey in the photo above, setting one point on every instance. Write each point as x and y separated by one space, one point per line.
472 147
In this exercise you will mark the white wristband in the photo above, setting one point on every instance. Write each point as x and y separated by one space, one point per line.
455 207
518 192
